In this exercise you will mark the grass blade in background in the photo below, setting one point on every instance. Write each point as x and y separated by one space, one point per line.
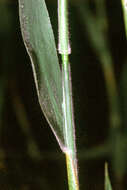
107 179
124 6
22 118
97 31
40 44
100 44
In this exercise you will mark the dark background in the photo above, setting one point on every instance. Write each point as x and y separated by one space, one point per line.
30 158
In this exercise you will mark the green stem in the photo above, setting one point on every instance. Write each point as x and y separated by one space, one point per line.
67 105
69 133
72 173
63 46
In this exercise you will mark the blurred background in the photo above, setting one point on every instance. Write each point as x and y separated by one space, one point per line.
30 158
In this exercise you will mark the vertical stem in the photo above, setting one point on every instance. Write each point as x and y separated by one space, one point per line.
67 106
63 46
69 133
72 173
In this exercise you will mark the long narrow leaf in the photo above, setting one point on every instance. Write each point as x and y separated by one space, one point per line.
124 6
107 179
40 44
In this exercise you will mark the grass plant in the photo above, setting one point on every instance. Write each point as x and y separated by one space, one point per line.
52 76
53 87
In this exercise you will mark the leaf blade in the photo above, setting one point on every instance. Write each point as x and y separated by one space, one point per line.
107 179
40 44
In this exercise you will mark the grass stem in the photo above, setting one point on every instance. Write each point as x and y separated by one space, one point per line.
69 133
72 173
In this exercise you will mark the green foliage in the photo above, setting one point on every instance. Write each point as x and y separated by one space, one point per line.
28 156
40 44
39 40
